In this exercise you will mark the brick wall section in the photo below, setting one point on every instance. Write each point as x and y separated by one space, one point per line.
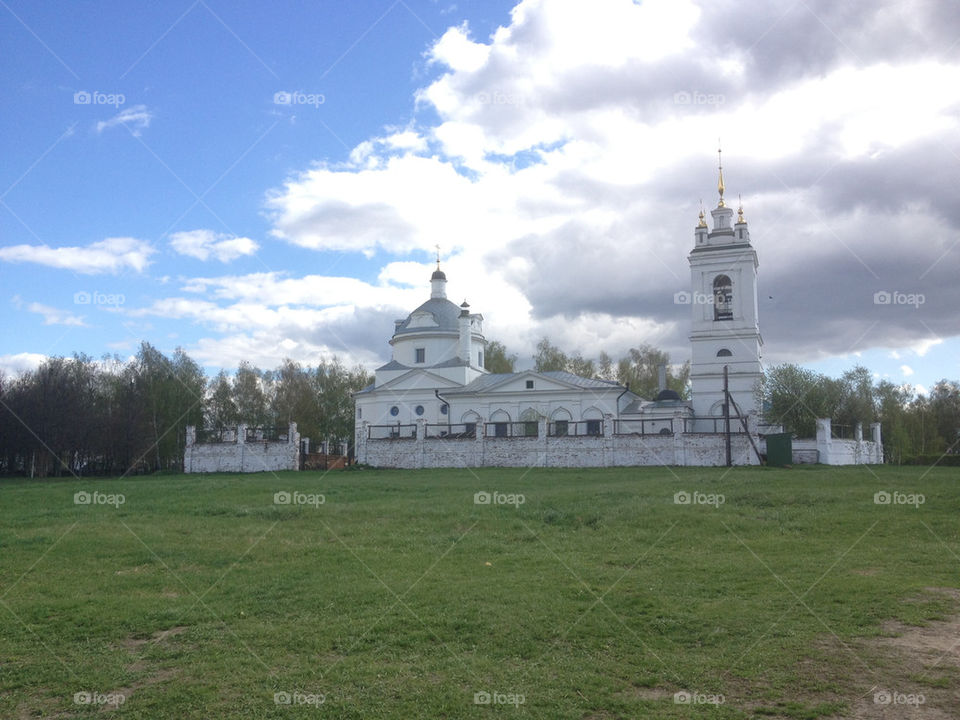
609 450
241 456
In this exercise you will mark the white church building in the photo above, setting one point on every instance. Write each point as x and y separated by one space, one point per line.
435 404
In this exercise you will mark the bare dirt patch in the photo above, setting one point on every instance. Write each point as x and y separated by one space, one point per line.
916 670
159 636
155 677
648 693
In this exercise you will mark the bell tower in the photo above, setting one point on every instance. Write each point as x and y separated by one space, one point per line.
725 330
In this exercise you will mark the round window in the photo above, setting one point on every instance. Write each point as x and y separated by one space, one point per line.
394 411
419 410
443 409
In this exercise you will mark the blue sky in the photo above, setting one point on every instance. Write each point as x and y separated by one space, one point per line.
259 181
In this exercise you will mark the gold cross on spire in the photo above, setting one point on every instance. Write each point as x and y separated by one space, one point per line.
720 180
438 256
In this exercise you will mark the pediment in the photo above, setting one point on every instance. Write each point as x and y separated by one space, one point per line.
419 380
422 319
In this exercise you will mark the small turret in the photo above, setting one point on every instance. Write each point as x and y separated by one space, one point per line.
438 281
465 321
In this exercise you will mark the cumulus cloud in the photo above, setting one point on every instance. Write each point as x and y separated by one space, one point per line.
204 244
18 363
111 255
135 119
565 156
559 163
55 316
266 317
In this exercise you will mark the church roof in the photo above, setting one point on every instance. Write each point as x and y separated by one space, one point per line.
445 314
489 380
394 365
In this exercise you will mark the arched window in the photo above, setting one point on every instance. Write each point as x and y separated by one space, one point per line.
723 352
470 420
594 421
501 423
560 422
530 418
722 298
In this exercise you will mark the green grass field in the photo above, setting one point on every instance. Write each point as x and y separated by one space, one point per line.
400 597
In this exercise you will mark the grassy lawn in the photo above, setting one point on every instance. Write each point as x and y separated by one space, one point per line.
400 597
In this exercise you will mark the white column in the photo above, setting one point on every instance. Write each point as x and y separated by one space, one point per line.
824 442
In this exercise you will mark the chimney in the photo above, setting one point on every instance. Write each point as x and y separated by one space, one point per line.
465 323
662 377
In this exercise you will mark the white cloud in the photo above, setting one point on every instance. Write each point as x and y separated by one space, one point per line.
923 347
54 316
20 362
562 176
111 255
134 118
203 244
906 370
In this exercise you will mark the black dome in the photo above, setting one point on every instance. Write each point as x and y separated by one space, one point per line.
668 395
438 275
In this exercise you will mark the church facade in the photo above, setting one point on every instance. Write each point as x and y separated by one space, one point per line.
436 405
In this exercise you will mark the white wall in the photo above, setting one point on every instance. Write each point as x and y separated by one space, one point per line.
241 456
607 451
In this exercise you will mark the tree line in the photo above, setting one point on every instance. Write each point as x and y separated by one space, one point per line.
638 369
106 417
915 428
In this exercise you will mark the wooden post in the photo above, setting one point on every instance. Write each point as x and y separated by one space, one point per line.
726 416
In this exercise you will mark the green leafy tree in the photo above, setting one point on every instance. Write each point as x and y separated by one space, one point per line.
221 410
549 357
496 359
606 370
641 370
249 397
579 365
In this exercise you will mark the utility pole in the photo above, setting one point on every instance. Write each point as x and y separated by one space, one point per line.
726 415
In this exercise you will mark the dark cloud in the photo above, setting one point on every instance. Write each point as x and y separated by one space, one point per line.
365 330
784 40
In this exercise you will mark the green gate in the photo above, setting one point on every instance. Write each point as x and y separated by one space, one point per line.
780 449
